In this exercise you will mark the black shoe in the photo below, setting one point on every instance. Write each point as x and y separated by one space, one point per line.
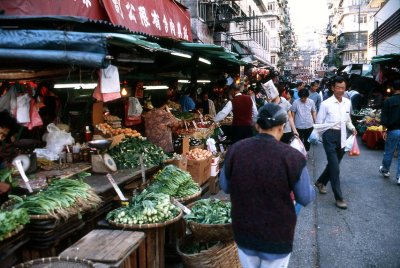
321 188
341 204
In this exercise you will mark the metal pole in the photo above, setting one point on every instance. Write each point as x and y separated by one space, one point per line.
376 37
358 36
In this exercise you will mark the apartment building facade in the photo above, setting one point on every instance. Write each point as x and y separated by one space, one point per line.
258 30
348 29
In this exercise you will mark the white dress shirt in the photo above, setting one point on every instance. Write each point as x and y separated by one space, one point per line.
228 108
337 113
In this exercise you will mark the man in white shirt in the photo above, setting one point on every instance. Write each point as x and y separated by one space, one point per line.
336 111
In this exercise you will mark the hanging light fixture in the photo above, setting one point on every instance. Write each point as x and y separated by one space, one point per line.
124 92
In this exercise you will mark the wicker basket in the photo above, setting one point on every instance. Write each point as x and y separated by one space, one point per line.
189 199
13 233
56 262
219 256
146 225
210 232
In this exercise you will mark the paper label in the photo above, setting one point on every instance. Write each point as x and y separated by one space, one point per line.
142 168
23 175
185 209
116 188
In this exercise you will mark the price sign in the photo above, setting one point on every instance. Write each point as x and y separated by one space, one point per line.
116 188
18 164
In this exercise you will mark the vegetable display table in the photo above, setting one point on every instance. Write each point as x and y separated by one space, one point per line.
114 248
373 139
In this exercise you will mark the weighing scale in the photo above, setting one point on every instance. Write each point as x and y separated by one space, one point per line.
101 161
26 155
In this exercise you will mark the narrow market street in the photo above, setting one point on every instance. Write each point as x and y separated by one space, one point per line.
367 233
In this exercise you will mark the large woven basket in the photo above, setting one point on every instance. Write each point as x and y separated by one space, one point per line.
210 232
146 225
219 256
13 233
56 262
189 199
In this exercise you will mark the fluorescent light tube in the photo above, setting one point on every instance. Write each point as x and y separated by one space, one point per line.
184 81
155 87
76 86
203 81
183 55
204 60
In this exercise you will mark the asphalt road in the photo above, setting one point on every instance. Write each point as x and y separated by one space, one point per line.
367 234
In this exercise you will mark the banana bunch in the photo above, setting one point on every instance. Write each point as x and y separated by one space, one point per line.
375 128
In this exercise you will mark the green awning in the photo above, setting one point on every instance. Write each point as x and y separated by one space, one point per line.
394 57
126 40
211 52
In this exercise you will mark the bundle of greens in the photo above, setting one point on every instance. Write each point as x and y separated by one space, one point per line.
175 182
127 153
210 211
11 220
63 198
146 207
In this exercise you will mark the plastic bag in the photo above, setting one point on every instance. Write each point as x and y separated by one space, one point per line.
298 145
349 143
355 150
314 137
36 120
56 139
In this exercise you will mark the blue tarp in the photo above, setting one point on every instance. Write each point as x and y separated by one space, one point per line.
54 46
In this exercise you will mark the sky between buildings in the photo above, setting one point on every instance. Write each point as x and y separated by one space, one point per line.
309 19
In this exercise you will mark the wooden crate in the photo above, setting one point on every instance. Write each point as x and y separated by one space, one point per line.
114 248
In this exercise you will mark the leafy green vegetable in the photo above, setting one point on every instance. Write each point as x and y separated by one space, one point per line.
175 182
63 197
210 211
127 153
10 220
6 176
146 207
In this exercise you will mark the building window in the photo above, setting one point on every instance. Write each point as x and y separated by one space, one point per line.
271 24
271 6
359 2
202 11
363 18
273 42
272 59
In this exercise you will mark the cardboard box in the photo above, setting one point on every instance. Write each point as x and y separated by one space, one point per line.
182 164
200 170
214 166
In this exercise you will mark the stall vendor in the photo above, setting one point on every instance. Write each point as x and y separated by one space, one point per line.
8 126
159 122
244 114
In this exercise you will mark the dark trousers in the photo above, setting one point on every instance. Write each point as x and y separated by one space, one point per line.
303 135
334 154
286 137
241 132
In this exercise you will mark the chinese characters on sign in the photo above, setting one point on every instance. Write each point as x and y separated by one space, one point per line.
155 17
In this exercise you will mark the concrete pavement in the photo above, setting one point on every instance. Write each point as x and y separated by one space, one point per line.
367 234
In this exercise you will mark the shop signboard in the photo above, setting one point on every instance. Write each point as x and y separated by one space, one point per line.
159 18
164 18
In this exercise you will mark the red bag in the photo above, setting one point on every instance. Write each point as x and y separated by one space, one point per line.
355 150
36 120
